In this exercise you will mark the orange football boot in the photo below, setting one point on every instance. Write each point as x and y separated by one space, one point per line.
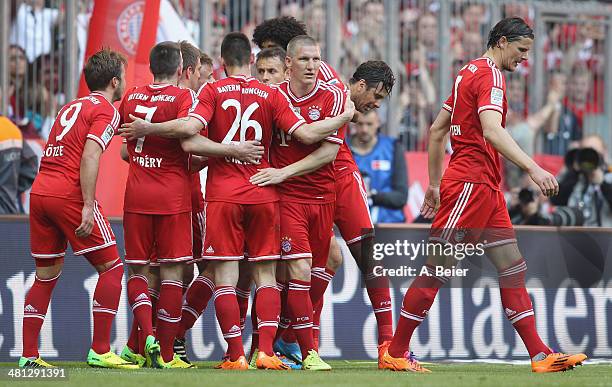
555 362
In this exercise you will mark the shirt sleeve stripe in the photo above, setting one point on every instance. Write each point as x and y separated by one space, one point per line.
296 125
335 140
98 140
199 118
448 108
490 107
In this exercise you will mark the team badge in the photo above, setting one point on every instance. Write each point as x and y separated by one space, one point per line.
314 113
128 26
286 244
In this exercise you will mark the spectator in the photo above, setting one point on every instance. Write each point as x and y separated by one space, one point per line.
586 183
528 209
18 72
18 167
562 133
33 28
523 129
383 167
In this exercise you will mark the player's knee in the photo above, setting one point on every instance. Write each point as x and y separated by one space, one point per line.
334 261
170 271
188 273
299 269
264 273
104 267
49 268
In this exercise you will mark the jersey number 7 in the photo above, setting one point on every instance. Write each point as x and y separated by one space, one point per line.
148 112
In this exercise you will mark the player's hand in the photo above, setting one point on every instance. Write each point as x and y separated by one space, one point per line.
87 222
136 129
268 176
248 151
431 203
545 181
349 107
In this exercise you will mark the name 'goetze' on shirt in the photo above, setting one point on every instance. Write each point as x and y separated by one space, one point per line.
324 101
479 86
158 180
235 109
91 117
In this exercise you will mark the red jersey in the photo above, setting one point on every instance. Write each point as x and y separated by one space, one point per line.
479 86
92 117
235 109
158 180
344 163
325 100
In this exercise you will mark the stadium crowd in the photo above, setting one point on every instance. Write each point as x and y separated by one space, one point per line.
571 116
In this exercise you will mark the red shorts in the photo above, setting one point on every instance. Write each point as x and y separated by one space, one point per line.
305 231
472 213
352 215
53 222
165 237
233 231
197 229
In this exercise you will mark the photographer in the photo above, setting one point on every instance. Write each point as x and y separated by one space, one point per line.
527 211
587 183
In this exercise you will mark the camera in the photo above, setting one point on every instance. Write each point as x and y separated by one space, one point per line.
587 159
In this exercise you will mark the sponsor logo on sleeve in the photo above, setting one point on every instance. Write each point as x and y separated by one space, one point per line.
497 96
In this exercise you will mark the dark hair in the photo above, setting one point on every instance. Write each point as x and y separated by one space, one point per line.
236 49
299 41
374 72
513 28
272 52
190 54
205 59
102 67
164 59
280 30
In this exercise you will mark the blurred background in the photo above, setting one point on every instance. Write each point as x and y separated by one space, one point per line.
560 101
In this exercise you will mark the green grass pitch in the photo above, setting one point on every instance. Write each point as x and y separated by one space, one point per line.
345 373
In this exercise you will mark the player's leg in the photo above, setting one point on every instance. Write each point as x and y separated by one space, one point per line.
139 239
48 246
224 250
262 231
324 277
458 210
100 249
504 253
243 290
320 229
173 250
353 219
197 297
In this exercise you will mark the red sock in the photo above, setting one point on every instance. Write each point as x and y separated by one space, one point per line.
300 310
199 293
518 308
267 316
378 292
154 294
34 311
168 316
255 334
242 295
133 340
319 280
285 319
417 301
228 316
105 303
289 334
139 299
316 323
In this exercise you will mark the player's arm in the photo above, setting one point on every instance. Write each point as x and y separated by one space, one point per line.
437 138
316 131
178 128
123 152
325 154
247 151
90 162
494 133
